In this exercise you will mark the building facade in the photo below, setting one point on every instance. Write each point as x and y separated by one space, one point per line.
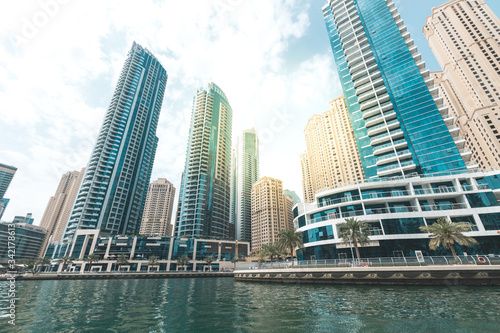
293 195
3 206
244 173
157 216
332 156
27 243
271 212
415 164
28 219
7 172
204 199
396 209
139 249
56 215
464 36
115 183
395 110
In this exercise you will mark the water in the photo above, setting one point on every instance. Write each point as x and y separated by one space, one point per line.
224 305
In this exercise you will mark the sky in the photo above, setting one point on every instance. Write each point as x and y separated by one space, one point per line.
60 61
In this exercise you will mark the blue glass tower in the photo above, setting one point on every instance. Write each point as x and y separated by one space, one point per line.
6 174
396 112
114 187
204 199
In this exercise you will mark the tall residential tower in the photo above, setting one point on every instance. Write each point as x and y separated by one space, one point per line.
244 173
332 156
465 38
158 209
204 199
114 187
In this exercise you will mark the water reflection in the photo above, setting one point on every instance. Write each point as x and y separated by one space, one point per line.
223 305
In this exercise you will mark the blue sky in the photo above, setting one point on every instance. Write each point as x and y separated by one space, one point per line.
60 60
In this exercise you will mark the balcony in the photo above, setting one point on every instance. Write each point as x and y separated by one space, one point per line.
393 157
389 146
386 137
380 128
394 168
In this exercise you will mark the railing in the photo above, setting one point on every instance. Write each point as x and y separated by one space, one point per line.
478 260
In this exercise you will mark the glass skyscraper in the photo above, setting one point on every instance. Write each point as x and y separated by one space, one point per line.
116 180
204 199
395 110
412 156
6 174
244 173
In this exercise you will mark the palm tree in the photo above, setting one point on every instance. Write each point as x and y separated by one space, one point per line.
183 261
446 233
209 260
121 260
234 260
42 262
153 261
271 250
355 232
63 261
290 239
93 258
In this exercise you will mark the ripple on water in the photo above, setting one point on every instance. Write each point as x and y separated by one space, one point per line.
223 305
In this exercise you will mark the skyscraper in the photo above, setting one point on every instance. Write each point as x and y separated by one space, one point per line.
244 173
204 200
415 172
271 212
114 187
396 112
6 174
158 209
56 215
464 36
332 156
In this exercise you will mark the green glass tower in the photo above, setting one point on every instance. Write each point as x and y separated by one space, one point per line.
204 199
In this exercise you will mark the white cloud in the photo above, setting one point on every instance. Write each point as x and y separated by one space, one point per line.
56 87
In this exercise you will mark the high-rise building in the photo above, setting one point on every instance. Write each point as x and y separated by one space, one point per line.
56 215
244 173
3 205
27 242
158 209
115 184
293 195
415 172
332 155
465 38
6 174
204 199
395 110
28 219
271 212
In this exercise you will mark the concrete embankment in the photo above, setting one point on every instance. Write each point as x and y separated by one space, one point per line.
132 275
470 275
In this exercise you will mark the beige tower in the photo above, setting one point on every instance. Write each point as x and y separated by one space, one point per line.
158 209
56 215
465 38
271 212
332 156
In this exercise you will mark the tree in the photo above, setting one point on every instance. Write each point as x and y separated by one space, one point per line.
183 261
93 258
262 258
42 262
271 250
447 233
234 260
64 261
153 260
290 239
209 260
121 260
355 232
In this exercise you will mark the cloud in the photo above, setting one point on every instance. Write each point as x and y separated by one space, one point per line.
57 84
